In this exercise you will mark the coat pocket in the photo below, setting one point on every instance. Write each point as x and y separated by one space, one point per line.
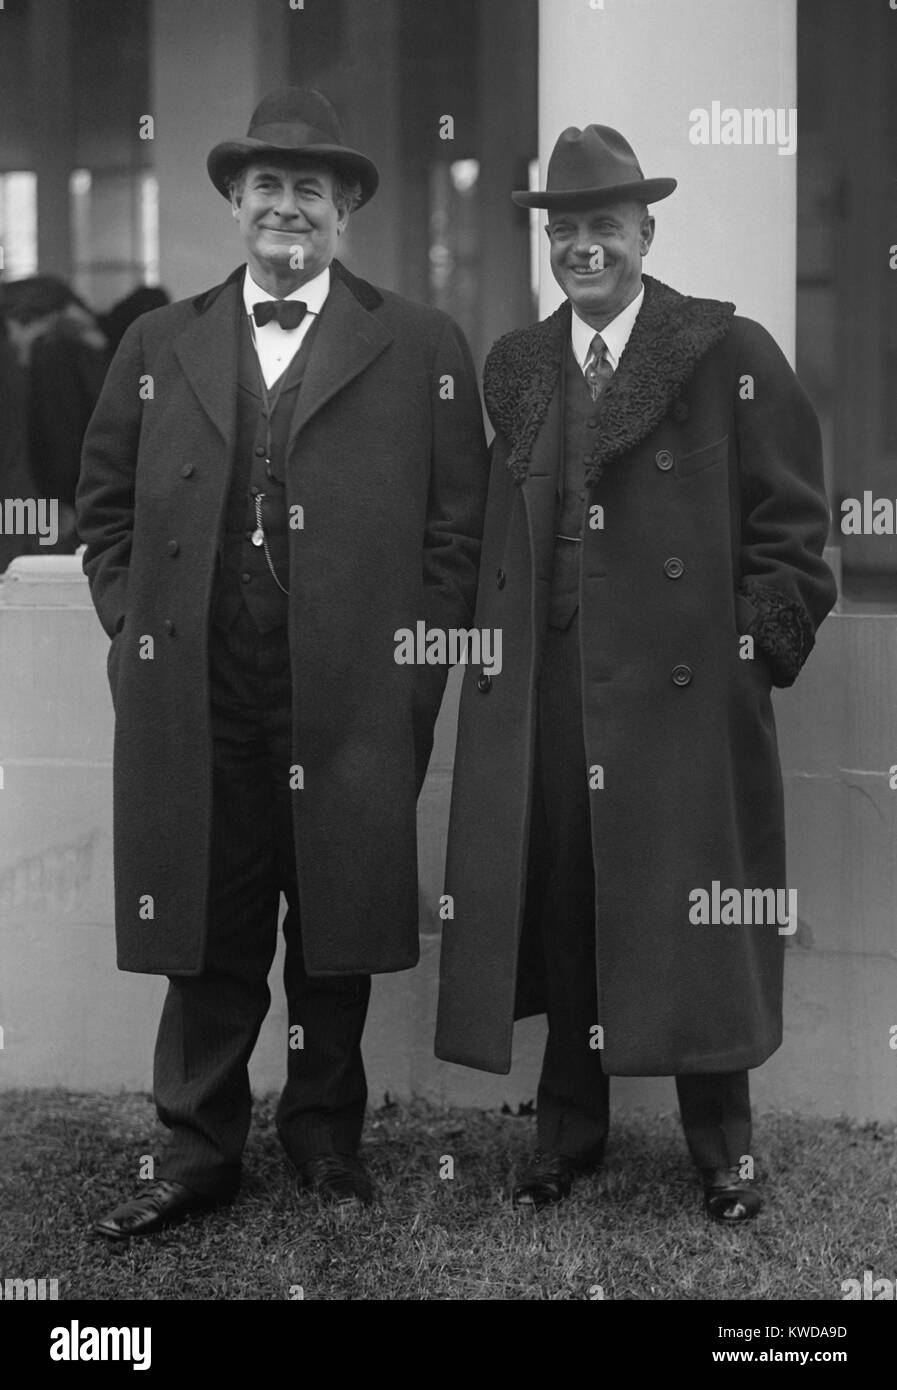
699 459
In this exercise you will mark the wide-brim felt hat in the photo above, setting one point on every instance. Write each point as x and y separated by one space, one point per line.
590 167
295 123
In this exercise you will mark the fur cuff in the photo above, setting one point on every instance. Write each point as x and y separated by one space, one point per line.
782 630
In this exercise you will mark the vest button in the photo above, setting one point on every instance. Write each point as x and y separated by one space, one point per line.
500 579
484 684
186 470
592 424
246 578
169 627
673 567
682 675
664 460
173 548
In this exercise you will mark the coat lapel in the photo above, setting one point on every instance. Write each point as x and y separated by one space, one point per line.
671 334
207 352
347 339
521 377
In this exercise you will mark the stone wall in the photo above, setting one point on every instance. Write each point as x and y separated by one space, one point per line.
70 1019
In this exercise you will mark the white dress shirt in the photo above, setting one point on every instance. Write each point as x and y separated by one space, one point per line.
276 347
615 335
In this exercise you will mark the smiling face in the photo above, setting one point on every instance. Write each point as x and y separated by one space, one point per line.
289 221
617 236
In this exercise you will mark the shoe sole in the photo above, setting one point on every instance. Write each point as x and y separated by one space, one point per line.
111 1234
526 1200
723 1220
307 1189
200 1210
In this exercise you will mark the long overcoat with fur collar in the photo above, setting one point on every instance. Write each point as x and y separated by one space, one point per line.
387 457
707 456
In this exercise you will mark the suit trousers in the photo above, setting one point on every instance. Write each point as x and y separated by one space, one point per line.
210 1022
573 1100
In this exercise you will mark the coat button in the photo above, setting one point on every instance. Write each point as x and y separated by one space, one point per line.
260 453
673 567
173 547
186 470
680 411
246 578
682 675
500 579
664 460
484 683
592 424
169 627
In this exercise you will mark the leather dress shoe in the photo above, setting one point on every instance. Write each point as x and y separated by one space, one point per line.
545 1180
728 1196
337 1178
158 1205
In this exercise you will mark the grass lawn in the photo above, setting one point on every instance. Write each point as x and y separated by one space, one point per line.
638 1229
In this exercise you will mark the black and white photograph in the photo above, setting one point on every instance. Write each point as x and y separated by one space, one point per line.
448 667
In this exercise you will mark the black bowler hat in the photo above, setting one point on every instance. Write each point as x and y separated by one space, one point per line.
296 122
593 166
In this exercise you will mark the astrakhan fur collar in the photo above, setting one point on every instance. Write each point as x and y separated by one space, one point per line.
672 333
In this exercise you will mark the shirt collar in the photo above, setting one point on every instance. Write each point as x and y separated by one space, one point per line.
313 293
615 334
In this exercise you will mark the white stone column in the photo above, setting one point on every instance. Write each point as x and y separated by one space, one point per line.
642 66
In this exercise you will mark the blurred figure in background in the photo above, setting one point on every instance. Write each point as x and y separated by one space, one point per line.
64 355
15 480
122 315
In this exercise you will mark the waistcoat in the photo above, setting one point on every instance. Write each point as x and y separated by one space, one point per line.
244 578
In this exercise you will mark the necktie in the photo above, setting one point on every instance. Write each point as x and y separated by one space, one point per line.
289 313
597 369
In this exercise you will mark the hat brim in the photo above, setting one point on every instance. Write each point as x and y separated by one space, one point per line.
576 200
230 156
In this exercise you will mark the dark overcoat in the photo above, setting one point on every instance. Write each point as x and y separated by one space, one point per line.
387 459
707 465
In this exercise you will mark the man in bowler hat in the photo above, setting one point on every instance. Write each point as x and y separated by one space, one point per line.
652 553
276 479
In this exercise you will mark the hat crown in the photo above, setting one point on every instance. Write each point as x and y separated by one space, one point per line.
592 168
293 123
595 157
300 108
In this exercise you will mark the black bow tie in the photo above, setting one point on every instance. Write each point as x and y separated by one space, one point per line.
289 313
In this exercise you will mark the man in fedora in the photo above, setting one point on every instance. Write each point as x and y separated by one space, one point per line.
652 553
276 478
